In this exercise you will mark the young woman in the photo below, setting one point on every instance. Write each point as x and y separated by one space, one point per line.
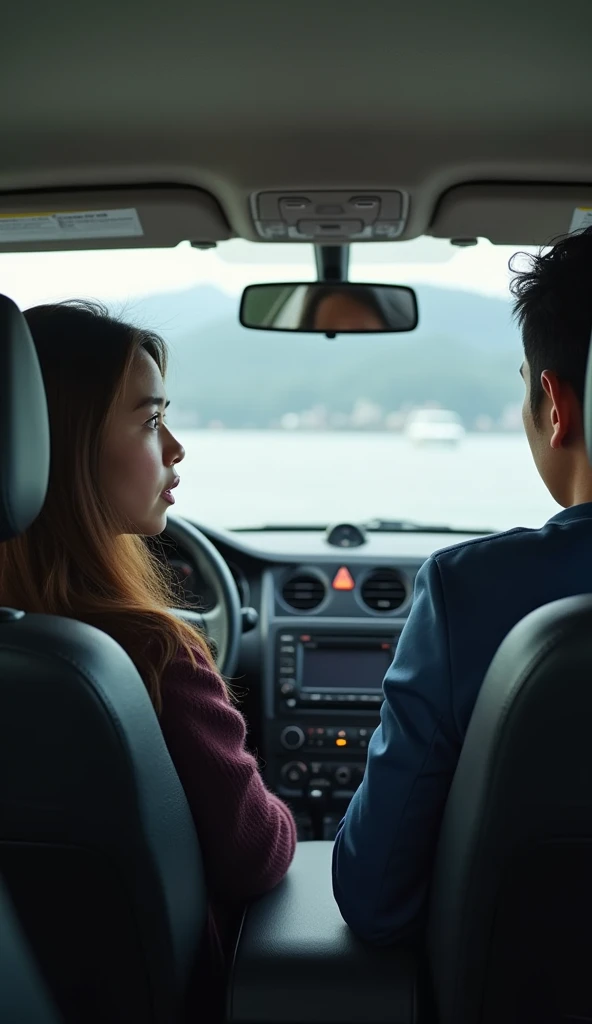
114 463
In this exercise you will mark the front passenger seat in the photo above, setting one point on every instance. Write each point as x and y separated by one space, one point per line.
97 844
510 931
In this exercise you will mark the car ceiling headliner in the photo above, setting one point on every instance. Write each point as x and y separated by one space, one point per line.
242 96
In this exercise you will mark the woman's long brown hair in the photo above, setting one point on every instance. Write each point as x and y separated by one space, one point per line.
74 560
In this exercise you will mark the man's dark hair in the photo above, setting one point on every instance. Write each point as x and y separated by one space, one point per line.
553 306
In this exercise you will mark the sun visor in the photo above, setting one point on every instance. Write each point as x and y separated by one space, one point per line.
127 218
510 214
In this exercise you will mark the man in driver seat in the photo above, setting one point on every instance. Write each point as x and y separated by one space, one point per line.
467 599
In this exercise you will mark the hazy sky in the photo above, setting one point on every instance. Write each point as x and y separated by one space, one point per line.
120 275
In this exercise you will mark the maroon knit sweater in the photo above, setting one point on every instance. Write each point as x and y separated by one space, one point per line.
247 835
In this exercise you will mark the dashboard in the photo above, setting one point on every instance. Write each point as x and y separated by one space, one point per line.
327 614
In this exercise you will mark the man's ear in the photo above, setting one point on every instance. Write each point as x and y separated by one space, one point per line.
564 408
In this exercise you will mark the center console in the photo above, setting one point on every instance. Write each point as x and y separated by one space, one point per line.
327 693
296 962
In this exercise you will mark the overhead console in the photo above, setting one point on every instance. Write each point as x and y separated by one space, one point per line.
330 217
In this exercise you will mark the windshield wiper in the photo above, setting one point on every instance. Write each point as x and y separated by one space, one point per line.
410 526
279 527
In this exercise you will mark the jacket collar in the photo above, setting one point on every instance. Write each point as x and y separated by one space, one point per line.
570 515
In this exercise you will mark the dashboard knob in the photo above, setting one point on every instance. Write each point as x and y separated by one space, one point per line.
294 773
343 774
292 737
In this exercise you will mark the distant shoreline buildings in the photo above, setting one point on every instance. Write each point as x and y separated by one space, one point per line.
364 416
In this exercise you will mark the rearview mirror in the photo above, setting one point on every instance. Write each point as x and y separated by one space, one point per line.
323 308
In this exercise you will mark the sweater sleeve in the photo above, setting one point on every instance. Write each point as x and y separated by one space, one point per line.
247 835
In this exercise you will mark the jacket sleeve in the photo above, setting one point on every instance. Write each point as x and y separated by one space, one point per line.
385 845
247 835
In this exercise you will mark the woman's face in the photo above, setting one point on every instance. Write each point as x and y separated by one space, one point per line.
140 454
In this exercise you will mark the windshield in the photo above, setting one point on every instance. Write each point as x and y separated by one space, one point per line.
299 429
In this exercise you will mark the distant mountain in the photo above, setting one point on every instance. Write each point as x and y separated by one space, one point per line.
480 320
465 354
177 313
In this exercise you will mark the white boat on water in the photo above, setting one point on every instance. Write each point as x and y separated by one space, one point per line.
434 426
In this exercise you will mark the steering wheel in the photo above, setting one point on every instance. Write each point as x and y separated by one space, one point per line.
223 624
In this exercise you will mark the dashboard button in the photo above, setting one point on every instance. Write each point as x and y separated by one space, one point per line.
343 774
294 773
292 737
287 638
319 789
287 687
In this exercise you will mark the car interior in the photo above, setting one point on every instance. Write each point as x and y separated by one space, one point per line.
319 129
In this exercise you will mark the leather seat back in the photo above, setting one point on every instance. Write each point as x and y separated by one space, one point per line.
24 998
509 936
97 843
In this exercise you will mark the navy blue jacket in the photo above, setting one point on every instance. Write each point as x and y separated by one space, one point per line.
467 598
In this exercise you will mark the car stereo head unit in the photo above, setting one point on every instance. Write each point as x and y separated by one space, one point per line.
319 670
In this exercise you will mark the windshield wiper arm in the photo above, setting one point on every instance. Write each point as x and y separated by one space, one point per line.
279 527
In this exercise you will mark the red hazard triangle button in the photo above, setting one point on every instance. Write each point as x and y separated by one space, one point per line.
343 580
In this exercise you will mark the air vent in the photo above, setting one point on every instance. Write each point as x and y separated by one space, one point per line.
383 590
303 592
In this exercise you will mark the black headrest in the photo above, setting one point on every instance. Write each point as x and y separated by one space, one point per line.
24 426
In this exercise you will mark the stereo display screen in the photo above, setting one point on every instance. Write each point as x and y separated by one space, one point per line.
331 668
